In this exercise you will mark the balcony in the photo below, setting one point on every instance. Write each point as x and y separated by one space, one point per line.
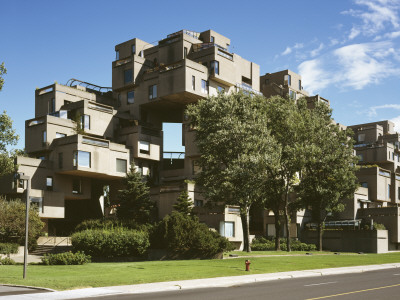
247 88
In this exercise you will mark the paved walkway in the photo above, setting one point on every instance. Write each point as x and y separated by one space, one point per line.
197 283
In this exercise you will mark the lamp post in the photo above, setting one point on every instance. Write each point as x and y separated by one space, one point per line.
27 179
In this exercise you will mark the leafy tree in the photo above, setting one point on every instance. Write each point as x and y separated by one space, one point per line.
184 204
328 175
12 223
285 120
235 146
3 71
134 200
8 137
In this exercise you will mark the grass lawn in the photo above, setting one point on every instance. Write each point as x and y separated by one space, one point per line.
258 253
109 274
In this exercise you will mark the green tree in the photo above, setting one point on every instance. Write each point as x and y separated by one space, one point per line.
184 204
235 146
3 71
8 137
134 201
328 176
285 119
12 223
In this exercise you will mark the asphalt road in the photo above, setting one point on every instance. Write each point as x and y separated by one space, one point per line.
14 290
377 285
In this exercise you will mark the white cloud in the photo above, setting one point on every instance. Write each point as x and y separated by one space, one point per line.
396 122
354 33
314 78
298 46
372 110
287 51
316 51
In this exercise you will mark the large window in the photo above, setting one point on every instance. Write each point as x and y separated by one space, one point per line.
361 137
388 191
144 147
214 67
49 183
60 135
117 55
227 229
288 80
131 97
133 49
153 91
37 203
85 122
52 105
121 165
128 76
44 137
76 186
185 52
82 159
204 86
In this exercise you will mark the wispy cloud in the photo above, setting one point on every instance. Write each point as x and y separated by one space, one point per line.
287 51
316 51
372 112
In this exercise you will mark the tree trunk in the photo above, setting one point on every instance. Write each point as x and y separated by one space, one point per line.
287 219
320 231
244 216
277 231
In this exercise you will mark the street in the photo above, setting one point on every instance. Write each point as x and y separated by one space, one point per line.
380 285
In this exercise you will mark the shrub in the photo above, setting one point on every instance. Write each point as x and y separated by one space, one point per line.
8 248
378 226
107 243
110 224
7 261
184 237
264 244
12 223
66 258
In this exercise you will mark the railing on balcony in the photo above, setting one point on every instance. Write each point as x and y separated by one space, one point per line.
173 160
247 88
100 107
193 34
95 142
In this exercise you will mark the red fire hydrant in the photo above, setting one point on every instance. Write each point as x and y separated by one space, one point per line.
247 263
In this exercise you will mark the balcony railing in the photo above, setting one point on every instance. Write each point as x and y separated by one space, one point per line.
248 88
193 34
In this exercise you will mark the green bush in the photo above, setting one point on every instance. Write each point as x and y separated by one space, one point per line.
110 224
7 261
107 243
264 244
184 237
66 258
378 226
12 223
8 248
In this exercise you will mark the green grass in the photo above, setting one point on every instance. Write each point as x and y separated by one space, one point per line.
109 274
258 253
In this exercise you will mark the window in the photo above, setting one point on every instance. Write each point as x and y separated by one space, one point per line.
288 80
204 86
227 229
300 85
76 186
364 184
221 89
292 95
37 202
128 76
361 137
144 147
66 102
185 52
44 136
384 173
121 165
153 91
49 183
195 167
212 39
116 55
198 203
133 49
63 114
60 135
52 105
214 67
85 122
131 97
81 159
141 53
360 157
193 83
60 160
388 191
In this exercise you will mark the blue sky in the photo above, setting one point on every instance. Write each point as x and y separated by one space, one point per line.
347 51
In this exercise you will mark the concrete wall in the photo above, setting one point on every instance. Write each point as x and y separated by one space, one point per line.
369 241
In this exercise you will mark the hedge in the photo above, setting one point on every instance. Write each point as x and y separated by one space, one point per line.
66 258
8 248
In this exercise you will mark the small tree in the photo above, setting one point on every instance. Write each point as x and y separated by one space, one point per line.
134 201
328 175
8 137
3 71
184 204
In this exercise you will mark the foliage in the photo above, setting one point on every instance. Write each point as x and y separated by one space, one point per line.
118 242
3 71
110 224
8 137
7 261
185 237
328 176
379 226
12 223
263 244
79 127
184 204
8 248
66 258
134 201
236 148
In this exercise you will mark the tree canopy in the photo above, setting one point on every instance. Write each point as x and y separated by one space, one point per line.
3 71
236 148
184 204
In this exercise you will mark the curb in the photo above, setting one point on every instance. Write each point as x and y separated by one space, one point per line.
29 287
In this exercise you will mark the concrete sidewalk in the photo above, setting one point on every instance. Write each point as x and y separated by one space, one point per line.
198 283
